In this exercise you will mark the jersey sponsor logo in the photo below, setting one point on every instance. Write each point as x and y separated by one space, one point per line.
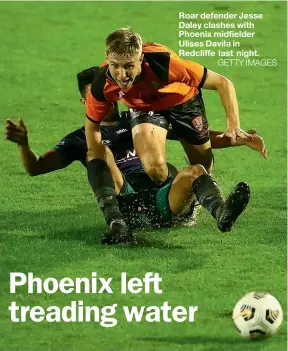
121 131
198 123
130 154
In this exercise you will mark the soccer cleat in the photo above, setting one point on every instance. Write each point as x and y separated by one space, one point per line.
231 209
118 233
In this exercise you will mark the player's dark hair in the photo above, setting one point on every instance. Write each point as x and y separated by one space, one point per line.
124 42
84 78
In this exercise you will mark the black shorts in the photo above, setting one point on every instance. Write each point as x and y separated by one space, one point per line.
156 118
188 120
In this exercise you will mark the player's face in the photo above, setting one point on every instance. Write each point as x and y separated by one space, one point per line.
124 69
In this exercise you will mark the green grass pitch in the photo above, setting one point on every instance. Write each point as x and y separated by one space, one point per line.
51 226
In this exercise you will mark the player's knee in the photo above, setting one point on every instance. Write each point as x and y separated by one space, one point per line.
157 171
197 170
193 172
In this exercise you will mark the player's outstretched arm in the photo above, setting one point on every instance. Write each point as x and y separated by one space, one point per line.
34 165
226 90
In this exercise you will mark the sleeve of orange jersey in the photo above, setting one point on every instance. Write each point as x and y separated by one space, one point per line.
96 110
191 73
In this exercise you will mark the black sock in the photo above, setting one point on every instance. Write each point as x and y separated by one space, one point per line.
102 183
107 200
208 193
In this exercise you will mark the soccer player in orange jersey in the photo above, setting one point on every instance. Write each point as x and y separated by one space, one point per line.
162 89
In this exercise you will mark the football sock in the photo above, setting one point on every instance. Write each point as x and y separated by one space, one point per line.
101 181
208 193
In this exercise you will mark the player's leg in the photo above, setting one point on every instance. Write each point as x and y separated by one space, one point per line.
108 183
115 172
158 207
225 212
181 194
194 181
149 137
149 142
190 125
174 200
121 186
199 154
209 196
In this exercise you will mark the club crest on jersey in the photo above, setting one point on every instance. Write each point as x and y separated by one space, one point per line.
198 123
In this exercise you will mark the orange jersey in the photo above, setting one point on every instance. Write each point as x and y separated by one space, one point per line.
167 81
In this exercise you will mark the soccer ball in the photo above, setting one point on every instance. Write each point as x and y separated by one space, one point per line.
257 315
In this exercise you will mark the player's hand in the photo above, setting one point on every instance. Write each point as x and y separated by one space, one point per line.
17 133
256 143
234 133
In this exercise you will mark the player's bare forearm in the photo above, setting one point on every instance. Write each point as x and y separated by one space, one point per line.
29 159
34 165
229 101
46 163
226 90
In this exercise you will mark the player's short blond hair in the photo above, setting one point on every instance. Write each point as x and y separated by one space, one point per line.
124 42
